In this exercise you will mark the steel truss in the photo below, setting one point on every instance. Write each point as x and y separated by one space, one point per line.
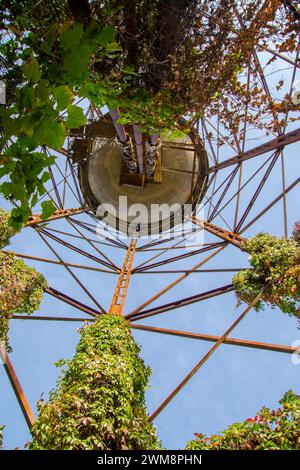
79 225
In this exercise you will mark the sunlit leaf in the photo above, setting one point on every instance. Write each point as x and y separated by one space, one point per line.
76 117
32 70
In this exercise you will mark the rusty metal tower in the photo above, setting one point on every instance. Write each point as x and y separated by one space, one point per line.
226 174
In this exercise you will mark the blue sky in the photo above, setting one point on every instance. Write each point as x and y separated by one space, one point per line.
231 386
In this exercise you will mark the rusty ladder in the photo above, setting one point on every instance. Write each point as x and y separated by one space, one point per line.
118 301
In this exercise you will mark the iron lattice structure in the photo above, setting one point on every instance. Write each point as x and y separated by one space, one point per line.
234 206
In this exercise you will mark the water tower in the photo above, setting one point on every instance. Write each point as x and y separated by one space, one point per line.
174 175
224 167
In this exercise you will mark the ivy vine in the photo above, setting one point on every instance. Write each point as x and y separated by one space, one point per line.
99 399
269 430
276 269
21 286
6 230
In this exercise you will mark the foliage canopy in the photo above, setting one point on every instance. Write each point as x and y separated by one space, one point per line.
155 60
276 269
269 430
21 287
6 231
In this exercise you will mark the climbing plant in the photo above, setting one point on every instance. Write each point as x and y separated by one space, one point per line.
276 269
6 231
154 60
50 60
21 287
21 291
99 399
270 430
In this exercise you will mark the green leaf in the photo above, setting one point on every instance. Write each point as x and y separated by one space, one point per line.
45 177
47 209
113 47
11 126
5 189
18 190
51 133
32 70
40 188
71 38
93 92
76 62
76 117
56 135
174 134
63 97
128 70
19 216
16 219
4 170
34 200
27 124
42 91
107 35
27 98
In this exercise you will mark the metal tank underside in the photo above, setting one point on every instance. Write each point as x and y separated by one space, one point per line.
178 179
